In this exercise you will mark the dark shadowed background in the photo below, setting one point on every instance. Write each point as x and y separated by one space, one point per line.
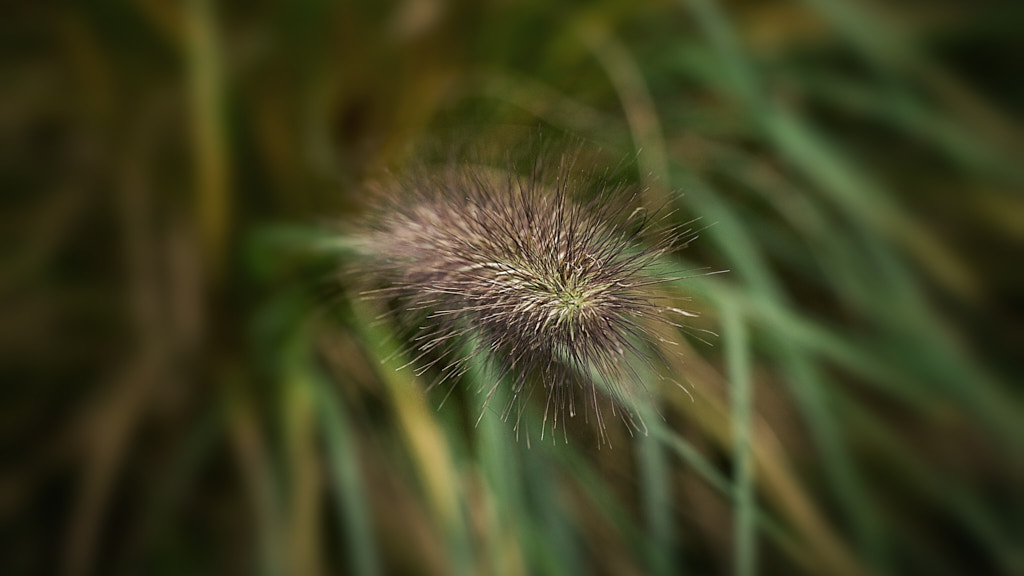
191 383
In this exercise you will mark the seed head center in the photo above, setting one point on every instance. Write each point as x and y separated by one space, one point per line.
572 300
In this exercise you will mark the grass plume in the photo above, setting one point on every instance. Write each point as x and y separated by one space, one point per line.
550 289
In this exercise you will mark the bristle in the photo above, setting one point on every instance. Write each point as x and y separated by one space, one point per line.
549 290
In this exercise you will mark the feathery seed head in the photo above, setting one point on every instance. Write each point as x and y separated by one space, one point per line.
550 291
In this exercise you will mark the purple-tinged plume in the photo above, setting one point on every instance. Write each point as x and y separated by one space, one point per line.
550 291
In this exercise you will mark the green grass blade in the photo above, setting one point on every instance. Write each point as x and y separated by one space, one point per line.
737 351
346 478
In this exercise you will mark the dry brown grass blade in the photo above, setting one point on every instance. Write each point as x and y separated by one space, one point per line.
305 473
420 430
106 435
213 178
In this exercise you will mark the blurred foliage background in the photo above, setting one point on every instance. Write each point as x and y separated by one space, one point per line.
192 384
